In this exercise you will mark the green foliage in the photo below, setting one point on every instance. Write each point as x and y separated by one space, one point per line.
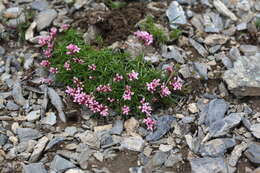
108 63
115 4
175 34
22 27
99 40
149 26
257 23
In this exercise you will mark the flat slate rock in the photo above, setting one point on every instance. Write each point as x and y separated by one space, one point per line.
34 168
26 134
59 164
163 126
253 152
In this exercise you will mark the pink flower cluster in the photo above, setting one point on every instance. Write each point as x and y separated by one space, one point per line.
104 88
125 110
164 91
67 65
92 67
133 75
118 78
89 101
72 49
145 107
149 123
45 63
145 36
48 41
177 85
78 60
153 85
54 70
128 93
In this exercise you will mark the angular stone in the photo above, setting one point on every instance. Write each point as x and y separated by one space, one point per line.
34 115
71 130
173 159
49 119
34 167
173 52
236 154
38 149
253 152
200 49
12 106
217 147
53 142
176 14
40 5
202 69
208 165
60 164
244 78
222 126
3 139
131 125
133 143
158 159
117 127
103 128
12 13
249 50
215 39
26 134
221 7
44 18
255 129
80 3
89 138
163 126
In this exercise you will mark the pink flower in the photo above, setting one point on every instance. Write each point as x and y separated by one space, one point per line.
149 123
127 93
53 32
78 60
72 49
111 100
145 36
45 63
44 40
133 75
145 107
77 82
118 78
125 110
47 52
92 67
177 85
169 69
153 85
54 70
67 66
104 88
46 81
165 91
65 27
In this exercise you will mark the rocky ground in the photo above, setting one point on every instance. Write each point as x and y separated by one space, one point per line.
216 128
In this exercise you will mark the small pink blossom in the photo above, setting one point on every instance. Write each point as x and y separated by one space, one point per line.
45 63
53 32
47 52
125 110
118 78
111 100
169 69
44 40
153 85
104 88
165 91
72 49
145 36
149 123
133 75
78 60
145 107
128 93
177 85
67 66
92 67
77 82
54 70
65 27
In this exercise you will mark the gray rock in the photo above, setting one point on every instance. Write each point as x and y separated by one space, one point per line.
38 149
91 34
208 165
212 22
89 138
221 7
44 18
236 154
217 147
2 51
222 126
242 26
163 126
60 164
224 59
215 110
200 49
34 115
234 53
49 119
202 69
244 78
117 127
214 49
255 129
249 50
26 134
173 52
71 130
158 160
53 142
106 139
133 143
3 139
12 106
17 94
40 5
176 14
216 39
34 167
28 61
80 3
136 169
253 152
173 159
12 13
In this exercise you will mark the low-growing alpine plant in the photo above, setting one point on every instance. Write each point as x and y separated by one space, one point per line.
106 81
